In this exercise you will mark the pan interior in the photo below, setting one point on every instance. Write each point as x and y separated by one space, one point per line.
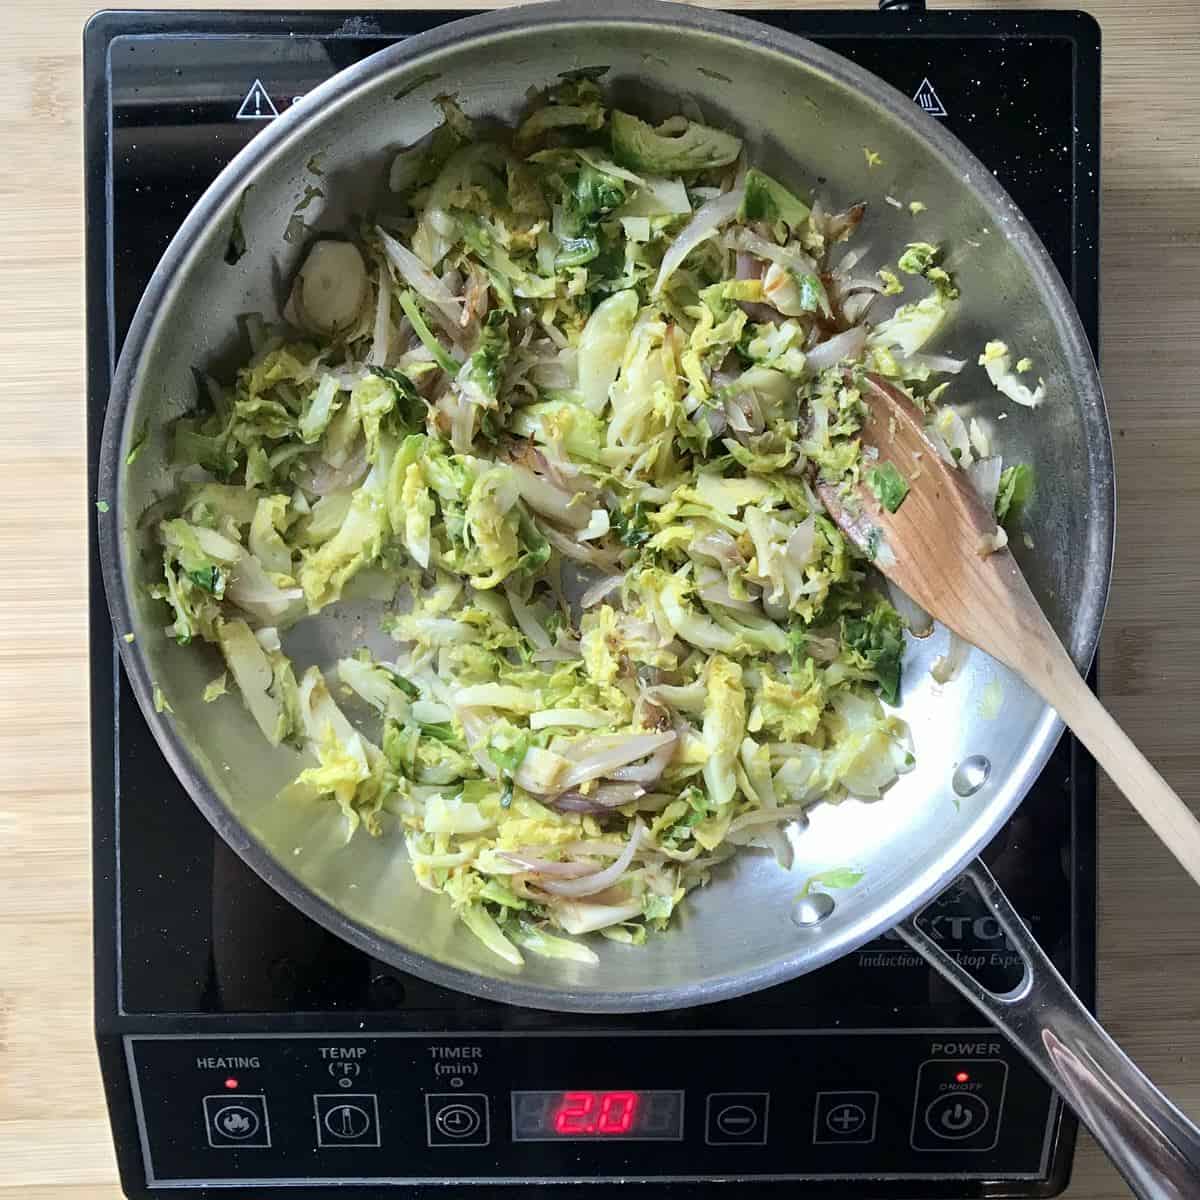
806 115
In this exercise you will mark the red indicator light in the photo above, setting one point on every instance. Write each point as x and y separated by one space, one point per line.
231 1083
595 1113
962 1077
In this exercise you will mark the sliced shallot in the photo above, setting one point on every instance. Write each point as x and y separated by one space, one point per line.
589 885
547 866
985 479
766 816
746 240
604 797
419 277
947 666
526 619
708 219
595 556
650 770
610 754
919 622
844 345
601 590
803 542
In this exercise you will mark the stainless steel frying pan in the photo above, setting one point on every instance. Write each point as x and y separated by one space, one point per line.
805 113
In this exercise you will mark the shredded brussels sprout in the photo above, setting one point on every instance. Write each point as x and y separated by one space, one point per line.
572 406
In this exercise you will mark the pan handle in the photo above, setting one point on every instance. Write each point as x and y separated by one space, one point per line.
1149 1140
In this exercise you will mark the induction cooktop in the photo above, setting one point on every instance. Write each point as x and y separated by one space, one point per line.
247 1052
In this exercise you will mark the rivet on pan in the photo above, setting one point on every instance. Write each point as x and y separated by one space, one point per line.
812 909
972 773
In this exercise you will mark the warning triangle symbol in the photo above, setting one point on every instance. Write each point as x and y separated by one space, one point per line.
257 106
928 100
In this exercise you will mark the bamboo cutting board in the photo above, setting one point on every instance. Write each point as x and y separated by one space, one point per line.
54 1139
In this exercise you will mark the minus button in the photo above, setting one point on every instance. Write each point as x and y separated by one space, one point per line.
736 1119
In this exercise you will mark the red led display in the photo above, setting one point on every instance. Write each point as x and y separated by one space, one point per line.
596 1113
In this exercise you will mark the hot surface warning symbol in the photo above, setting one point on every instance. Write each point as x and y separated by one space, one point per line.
257 106
928 99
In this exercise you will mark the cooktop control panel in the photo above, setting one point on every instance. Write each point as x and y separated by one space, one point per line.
389 1108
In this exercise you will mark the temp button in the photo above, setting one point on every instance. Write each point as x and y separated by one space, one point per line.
345 1119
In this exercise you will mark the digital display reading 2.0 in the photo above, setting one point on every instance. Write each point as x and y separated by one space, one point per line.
622 1116
596 1112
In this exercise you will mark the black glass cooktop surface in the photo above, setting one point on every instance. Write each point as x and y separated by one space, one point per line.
245 1048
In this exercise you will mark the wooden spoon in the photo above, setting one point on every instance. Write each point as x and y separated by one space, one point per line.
938 547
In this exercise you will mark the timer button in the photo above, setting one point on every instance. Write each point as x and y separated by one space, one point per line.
736 1119
456 1119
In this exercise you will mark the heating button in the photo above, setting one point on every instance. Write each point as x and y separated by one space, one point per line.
958 1104
237 1122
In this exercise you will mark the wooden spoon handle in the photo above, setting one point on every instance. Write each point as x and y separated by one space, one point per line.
1149 793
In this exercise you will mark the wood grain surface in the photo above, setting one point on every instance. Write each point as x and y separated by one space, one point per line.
54 1139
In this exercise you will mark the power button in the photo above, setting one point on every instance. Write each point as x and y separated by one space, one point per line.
958 1104
956 1117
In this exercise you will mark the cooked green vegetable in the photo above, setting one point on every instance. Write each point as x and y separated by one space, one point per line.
889 486
891 282
912 325
1016 484
412 310
677 145
997 361
766 199
564 419
839 877
917 258
920 258
875 643
139 442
